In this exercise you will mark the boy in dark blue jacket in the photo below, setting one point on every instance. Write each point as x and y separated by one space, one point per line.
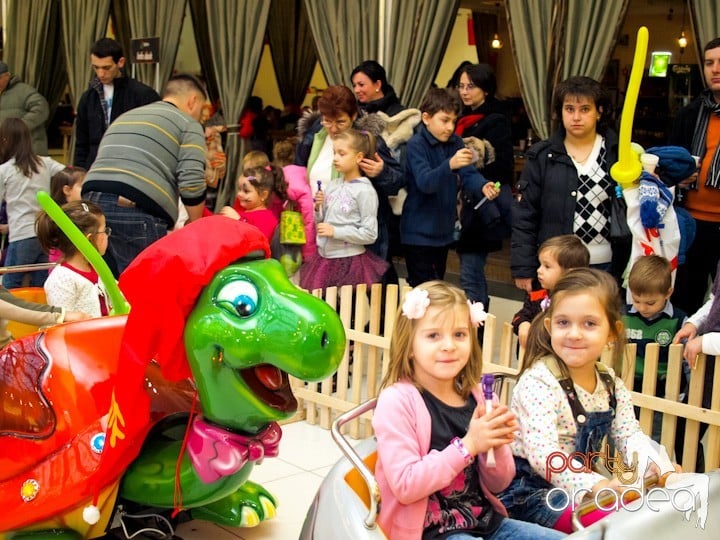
438 166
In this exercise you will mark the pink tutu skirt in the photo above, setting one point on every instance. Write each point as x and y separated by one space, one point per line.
320 273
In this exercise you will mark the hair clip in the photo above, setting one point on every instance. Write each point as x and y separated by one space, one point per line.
251 179
85 207
478 315
268 168
415 304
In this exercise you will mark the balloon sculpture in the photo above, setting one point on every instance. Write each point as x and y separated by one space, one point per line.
659 238
168 406
628 168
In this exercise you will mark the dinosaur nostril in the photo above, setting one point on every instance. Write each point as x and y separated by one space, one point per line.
324 340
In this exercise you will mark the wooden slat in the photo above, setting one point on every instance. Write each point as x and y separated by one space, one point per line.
359 354
488 339
672 393
692 427
628 375
652 351
327 385
372 381
712 457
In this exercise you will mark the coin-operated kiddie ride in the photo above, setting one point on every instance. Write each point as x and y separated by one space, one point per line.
168 405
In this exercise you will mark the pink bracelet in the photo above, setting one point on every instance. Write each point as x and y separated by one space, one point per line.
457 443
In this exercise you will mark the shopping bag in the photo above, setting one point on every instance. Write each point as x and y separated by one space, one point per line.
292 227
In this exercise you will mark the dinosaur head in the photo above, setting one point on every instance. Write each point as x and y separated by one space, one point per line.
250 329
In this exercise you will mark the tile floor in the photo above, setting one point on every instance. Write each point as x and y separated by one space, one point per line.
307 454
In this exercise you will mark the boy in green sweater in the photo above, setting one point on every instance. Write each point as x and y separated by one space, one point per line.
651 318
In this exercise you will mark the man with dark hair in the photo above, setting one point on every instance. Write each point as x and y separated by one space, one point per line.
697 128
20 100
110 94
161 158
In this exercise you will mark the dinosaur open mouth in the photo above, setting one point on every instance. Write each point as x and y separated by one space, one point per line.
271 385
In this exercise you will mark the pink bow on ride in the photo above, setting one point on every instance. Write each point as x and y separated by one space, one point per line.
216 452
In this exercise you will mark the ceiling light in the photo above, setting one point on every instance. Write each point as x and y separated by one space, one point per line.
682 40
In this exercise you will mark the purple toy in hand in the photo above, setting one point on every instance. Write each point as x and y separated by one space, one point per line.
488 381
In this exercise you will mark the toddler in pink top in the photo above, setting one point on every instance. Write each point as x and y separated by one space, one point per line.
433 431
255 187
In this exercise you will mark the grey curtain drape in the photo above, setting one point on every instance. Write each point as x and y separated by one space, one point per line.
705 17
420 31
25 48
157 18
202 42
53 75
345 34
590 35
292 49
83 23
236 31
553 40
121 24
33 47
529 24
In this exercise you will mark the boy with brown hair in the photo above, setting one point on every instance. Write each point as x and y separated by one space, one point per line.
437 167
557 255
651 318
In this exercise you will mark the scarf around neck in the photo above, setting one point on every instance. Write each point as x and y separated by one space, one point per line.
708 106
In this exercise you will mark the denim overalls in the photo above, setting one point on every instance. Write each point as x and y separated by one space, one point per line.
525 497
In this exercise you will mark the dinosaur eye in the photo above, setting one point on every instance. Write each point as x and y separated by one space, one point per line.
239 297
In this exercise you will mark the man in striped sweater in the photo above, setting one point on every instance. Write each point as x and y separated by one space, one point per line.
148 158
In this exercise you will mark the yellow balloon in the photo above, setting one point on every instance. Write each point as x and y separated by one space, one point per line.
628 168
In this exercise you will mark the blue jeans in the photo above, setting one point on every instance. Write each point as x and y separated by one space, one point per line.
27 251
472 277
525 497
133 230
512 529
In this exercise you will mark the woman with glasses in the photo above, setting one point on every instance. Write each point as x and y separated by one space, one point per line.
484 124
337 112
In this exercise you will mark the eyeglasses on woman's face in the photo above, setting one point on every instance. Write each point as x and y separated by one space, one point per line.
462 87
339 123
106 230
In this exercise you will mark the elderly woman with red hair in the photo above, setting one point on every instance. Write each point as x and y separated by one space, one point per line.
337 112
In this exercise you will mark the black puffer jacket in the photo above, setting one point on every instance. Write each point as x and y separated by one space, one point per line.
495 128
389 104
546 197
91 122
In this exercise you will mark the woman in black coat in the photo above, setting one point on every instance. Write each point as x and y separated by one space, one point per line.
485 126
565 186
372 89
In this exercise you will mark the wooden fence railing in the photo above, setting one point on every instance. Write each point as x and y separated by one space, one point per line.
369 319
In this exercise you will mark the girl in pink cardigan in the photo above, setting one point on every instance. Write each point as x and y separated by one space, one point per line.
433 434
